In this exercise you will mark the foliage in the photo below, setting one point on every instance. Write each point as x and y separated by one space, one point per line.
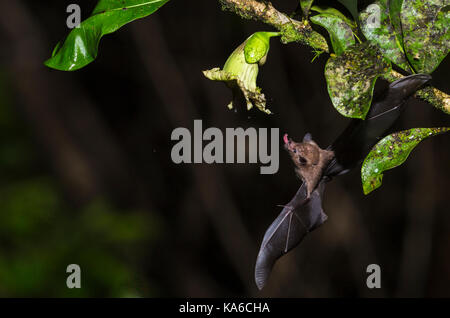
426 36
351 78
339 28
241 70
306 6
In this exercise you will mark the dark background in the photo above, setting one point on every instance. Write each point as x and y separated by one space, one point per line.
86 175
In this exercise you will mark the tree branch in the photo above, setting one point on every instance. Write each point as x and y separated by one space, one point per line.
300 31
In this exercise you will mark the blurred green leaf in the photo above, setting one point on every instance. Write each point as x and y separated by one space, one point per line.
351 78
81 45
426 37
391 152
385 35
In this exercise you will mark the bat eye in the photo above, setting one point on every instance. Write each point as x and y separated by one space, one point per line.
295 150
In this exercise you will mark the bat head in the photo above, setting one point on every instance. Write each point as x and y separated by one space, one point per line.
309 159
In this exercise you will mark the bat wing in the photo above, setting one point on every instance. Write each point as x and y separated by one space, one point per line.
299 217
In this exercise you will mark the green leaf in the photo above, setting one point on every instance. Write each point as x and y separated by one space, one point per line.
352 6
351 78
383 34
391 152
341 34
81 45
257 46
241 70
426 37
306 6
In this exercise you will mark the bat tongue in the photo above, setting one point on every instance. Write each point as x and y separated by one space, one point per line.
285 139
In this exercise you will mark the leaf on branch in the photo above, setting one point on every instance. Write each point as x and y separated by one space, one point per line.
338 27
377 27
306 6
395 7
425 25
351 78
391 152
352 6
334 12
81 45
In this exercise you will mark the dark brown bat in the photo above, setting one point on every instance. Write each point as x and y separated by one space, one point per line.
316 166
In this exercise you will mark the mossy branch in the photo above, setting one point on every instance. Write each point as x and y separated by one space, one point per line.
291 30
300 31
432 95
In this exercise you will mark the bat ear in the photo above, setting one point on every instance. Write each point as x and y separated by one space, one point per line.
307 138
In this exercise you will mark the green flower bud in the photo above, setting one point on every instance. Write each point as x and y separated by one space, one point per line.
241 70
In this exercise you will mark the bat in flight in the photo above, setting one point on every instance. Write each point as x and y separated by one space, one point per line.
316 167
